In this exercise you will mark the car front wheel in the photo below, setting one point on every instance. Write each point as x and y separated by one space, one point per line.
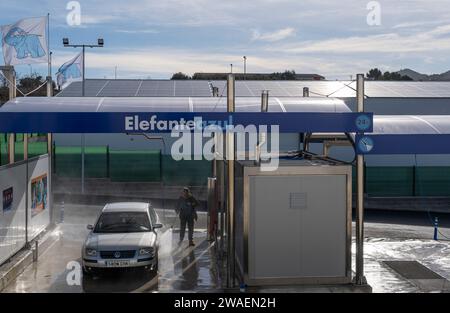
87 273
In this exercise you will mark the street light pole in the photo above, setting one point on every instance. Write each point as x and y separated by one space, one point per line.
99 44
84 71
245 66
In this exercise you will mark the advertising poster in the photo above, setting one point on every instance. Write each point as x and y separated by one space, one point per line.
7 199
38 194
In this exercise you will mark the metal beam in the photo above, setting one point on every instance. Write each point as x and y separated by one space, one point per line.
25 146
11 148
360 278
327 144
10 75
262 136
230 151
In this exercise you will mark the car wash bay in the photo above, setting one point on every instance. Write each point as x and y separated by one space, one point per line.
347 119
180 268
201 252
62 244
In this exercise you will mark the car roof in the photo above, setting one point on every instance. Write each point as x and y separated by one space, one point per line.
126 207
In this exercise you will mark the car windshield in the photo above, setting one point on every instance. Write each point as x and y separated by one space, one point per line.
123 222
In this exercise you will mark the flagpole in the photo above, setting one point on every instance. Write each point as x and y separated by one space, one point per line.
49 77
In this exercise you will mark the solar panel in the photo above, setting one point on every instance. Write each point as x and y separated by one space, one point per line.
197 88
122 88
92 88
339 89
138 88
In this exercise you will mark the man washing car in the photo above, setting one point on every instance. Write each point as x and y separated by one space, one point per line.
186 210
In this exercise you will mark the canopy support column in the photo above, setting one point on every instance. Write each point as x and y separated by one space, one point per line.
230 182
360 278
11 148
10 76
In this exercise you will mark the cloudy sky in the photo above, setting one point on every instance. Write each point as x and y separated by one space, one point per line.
155 38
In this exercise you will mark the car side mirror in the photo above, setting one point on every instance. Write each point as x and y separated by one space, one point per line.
90 227
156 226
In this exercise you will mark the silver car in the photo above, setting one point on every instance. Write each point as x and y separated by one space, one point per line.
125 235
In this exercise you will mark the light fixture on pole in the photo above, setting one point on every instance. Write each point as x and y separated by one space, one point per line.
100 44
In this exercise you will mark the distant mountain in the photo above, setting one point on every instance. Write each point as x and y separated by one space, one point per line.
416 76
413 74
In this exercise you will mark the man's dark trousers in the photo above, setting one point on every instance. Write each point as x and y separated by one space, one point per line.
189 220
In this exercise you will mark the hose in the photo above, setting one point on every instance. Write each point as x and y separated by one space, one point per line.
432 223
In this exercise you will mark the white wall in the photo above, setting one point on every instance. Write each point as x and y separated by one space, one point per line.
12 222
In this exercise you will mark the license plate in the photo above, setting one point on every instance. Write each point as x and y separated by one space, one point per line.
117 263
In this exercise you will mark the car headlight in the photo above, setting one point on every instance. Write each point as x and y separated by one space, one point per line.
146 251
91 252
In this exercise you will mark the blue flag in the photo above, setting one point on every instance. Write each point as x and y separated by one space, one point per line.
70 71
25 42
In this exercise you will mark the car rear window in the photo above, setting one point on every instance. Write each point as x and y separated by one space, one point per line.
123 222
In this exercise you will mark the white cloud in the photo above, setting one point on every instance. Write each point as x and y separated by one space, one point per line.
418 24
162 62
137 31
427 41
98 19
273 36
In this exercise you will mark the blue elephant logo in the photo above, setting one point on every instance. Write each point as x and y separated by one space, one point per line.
24 43
70 71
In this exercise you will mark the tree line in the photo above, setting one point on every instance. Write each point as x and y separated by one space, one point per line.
26 84
286 75
376 74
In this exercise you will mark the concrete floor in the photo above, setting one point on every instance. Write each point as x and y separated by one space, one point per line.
387 242
181 268
194 269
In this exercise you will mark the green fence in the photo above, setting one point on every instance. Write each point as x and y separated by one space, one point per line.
390 181
186 172
424 181
136 166
3 150
34 148
130 166
151 166
432 181
67 162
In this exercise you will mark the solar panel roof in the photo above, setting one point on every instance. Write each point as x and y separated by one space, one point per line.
199 88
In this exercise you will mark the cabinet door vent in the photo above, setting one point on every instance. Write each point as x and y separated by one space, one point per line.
297 200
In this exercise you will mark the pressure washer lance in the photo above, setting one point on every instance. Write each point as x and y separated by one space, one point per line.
436 228
61 218
174 220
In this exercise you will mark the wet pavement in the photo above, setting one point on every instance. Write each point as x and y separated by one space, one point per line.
184 269
435 255
181 268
